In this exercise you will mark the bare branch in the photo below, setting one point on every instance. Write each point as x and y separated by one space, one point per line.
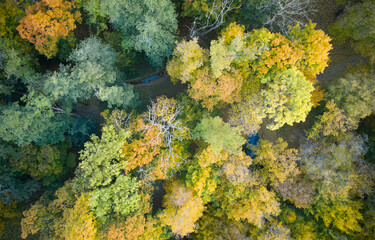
161 118
214 19
288 13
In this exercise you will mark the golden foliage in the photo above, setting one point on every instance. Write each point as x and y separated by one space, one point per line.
47 22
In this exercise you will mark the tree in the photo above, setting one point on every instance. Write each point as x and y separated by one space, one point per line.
288 98
333 122
278 163
247 115
275 231
93 74
131 229
46 216
354 93
215 225
47 163
287 13
24 125
297 190
356 25
147 26
344 215
211 91
101 161
214 18
209 82
47 22
80 221
254 205
220 135
188 57
332 166
182 208
316 45
121 197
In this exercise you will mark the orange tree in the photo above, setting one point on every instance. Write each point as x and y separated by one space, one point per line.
47 22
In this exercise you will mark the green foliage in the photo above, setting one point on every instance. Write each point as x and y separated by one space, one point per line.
192 112
121 197
93 74
220 135
24 125
288 98
14 187
47 163
354 93
357 26
101 159
13 66
120 96
148 26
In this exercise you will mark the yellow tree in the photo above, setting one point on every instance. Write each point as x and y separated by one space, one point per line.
182 208
80 221
47 22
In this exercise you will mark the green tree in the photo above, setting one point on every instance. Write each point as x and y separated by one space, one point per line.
147 26
354 93
47 163
93 73
24 125
121 197
101 161
220 135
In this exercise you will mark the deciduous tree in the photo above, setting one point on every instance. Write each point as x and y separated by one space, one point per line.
220 135
182 208
47 22
288 98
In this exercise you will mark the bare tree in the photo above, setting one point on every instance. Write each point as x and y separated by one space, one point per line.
214 19
119 119
287 13
161 118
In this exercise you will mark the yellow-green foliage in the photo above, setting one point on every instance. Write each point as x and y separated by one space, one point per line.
344 215
279 163
287 100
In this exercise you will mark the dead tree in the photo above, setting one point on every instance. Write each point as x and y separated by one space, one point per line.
161 118
288 13
214 19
